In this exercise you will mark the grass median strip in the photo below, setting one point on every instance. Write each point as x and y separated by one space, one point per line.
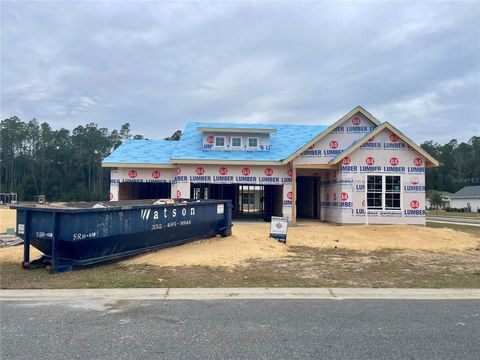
304 267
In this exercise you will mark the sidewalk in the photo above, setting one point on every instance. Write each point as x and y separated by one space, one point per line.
236 293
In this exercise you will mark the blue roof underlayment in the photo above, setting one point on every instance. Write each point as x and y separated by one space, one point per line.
142 152
284 142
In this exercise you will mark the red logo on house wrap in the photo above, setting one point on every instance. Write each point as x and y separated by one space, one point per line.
370 160
290 172
414 204
346 160
111 196
179 171
356 121
371 139
414 181
210 139
179 194
132 174
394 161
289 195
200 170
268 172
334 196
333 144
311 147
246 171
223 171
393 138
156 174
418 162
344 196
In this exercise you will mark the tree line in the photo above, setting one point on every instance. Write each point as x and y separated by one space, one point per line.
459 165
66 166
62 165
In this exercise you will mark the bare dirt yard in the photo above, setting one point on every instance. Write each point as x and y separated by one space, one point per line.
8 218
316 254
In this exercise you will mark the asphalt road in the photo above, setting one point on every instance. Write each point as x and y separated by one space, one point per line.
454 220
242 329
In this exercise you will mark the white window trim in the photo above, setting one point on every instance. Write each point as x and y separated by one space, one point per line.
241 142
248 143
384 188
224 142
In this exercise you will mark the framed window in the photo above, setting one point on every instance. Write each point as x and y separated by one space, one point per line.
384 192
392 192
236 142
374 192
219 141
253 142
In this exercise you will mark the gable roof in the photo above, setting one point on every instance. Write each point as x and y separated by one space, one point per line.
431 161
145 152
332 127
467 191
283 142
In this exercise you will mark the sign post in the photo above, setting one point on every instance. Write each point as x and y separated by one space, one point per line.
278 228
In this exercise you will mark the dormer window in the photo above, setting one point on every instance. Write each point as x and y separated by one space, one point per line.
219 141
252 143
236 142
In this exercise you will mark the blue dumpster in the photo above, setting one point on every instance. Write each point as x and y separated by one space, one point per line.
80 234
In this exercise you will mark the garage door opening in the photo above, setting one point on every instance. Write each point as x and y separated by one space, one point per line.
133 191
249 201
308 197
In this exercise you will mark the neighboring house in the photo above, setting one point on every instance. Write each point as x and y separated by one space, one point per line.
357 170
467 198
445 200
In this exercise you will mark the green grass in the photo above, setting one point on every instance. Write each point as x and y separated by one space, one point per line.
474 230
307 267
453 214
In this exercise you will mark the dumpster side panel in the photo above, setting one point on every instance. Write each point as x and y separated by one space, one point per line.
87 236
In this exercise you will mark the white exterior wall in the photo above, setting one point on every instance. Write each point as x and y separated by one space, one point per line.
338 140
343 197
384 152
141 175
462 203
182 176
209 141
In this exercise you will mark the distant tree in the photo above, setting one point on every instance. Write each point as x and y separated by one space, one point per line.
459 165
435 198
175 136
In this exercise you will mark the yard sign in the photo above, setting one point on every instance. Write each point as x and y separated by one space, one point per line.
278 228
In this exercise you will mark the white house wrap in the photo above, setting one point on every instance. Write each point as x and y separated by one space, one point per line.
355 171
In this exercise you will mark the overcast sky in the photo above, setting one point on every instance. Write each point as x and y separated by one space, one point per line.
160 65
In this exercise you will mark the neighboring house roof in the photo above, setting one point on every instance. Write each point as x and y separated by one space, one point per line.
386 125
467 192
286 140
444 194
154 152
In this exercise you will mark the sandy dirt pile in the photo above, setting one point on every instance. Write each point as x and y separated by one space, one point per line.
8 218
15 254
250 241
229 251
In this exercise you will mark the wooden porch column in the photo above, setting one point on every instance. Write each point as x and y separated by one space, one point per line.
294 194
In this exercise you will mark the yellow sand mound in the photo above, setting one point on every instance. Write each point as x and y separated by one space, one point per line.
250 241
